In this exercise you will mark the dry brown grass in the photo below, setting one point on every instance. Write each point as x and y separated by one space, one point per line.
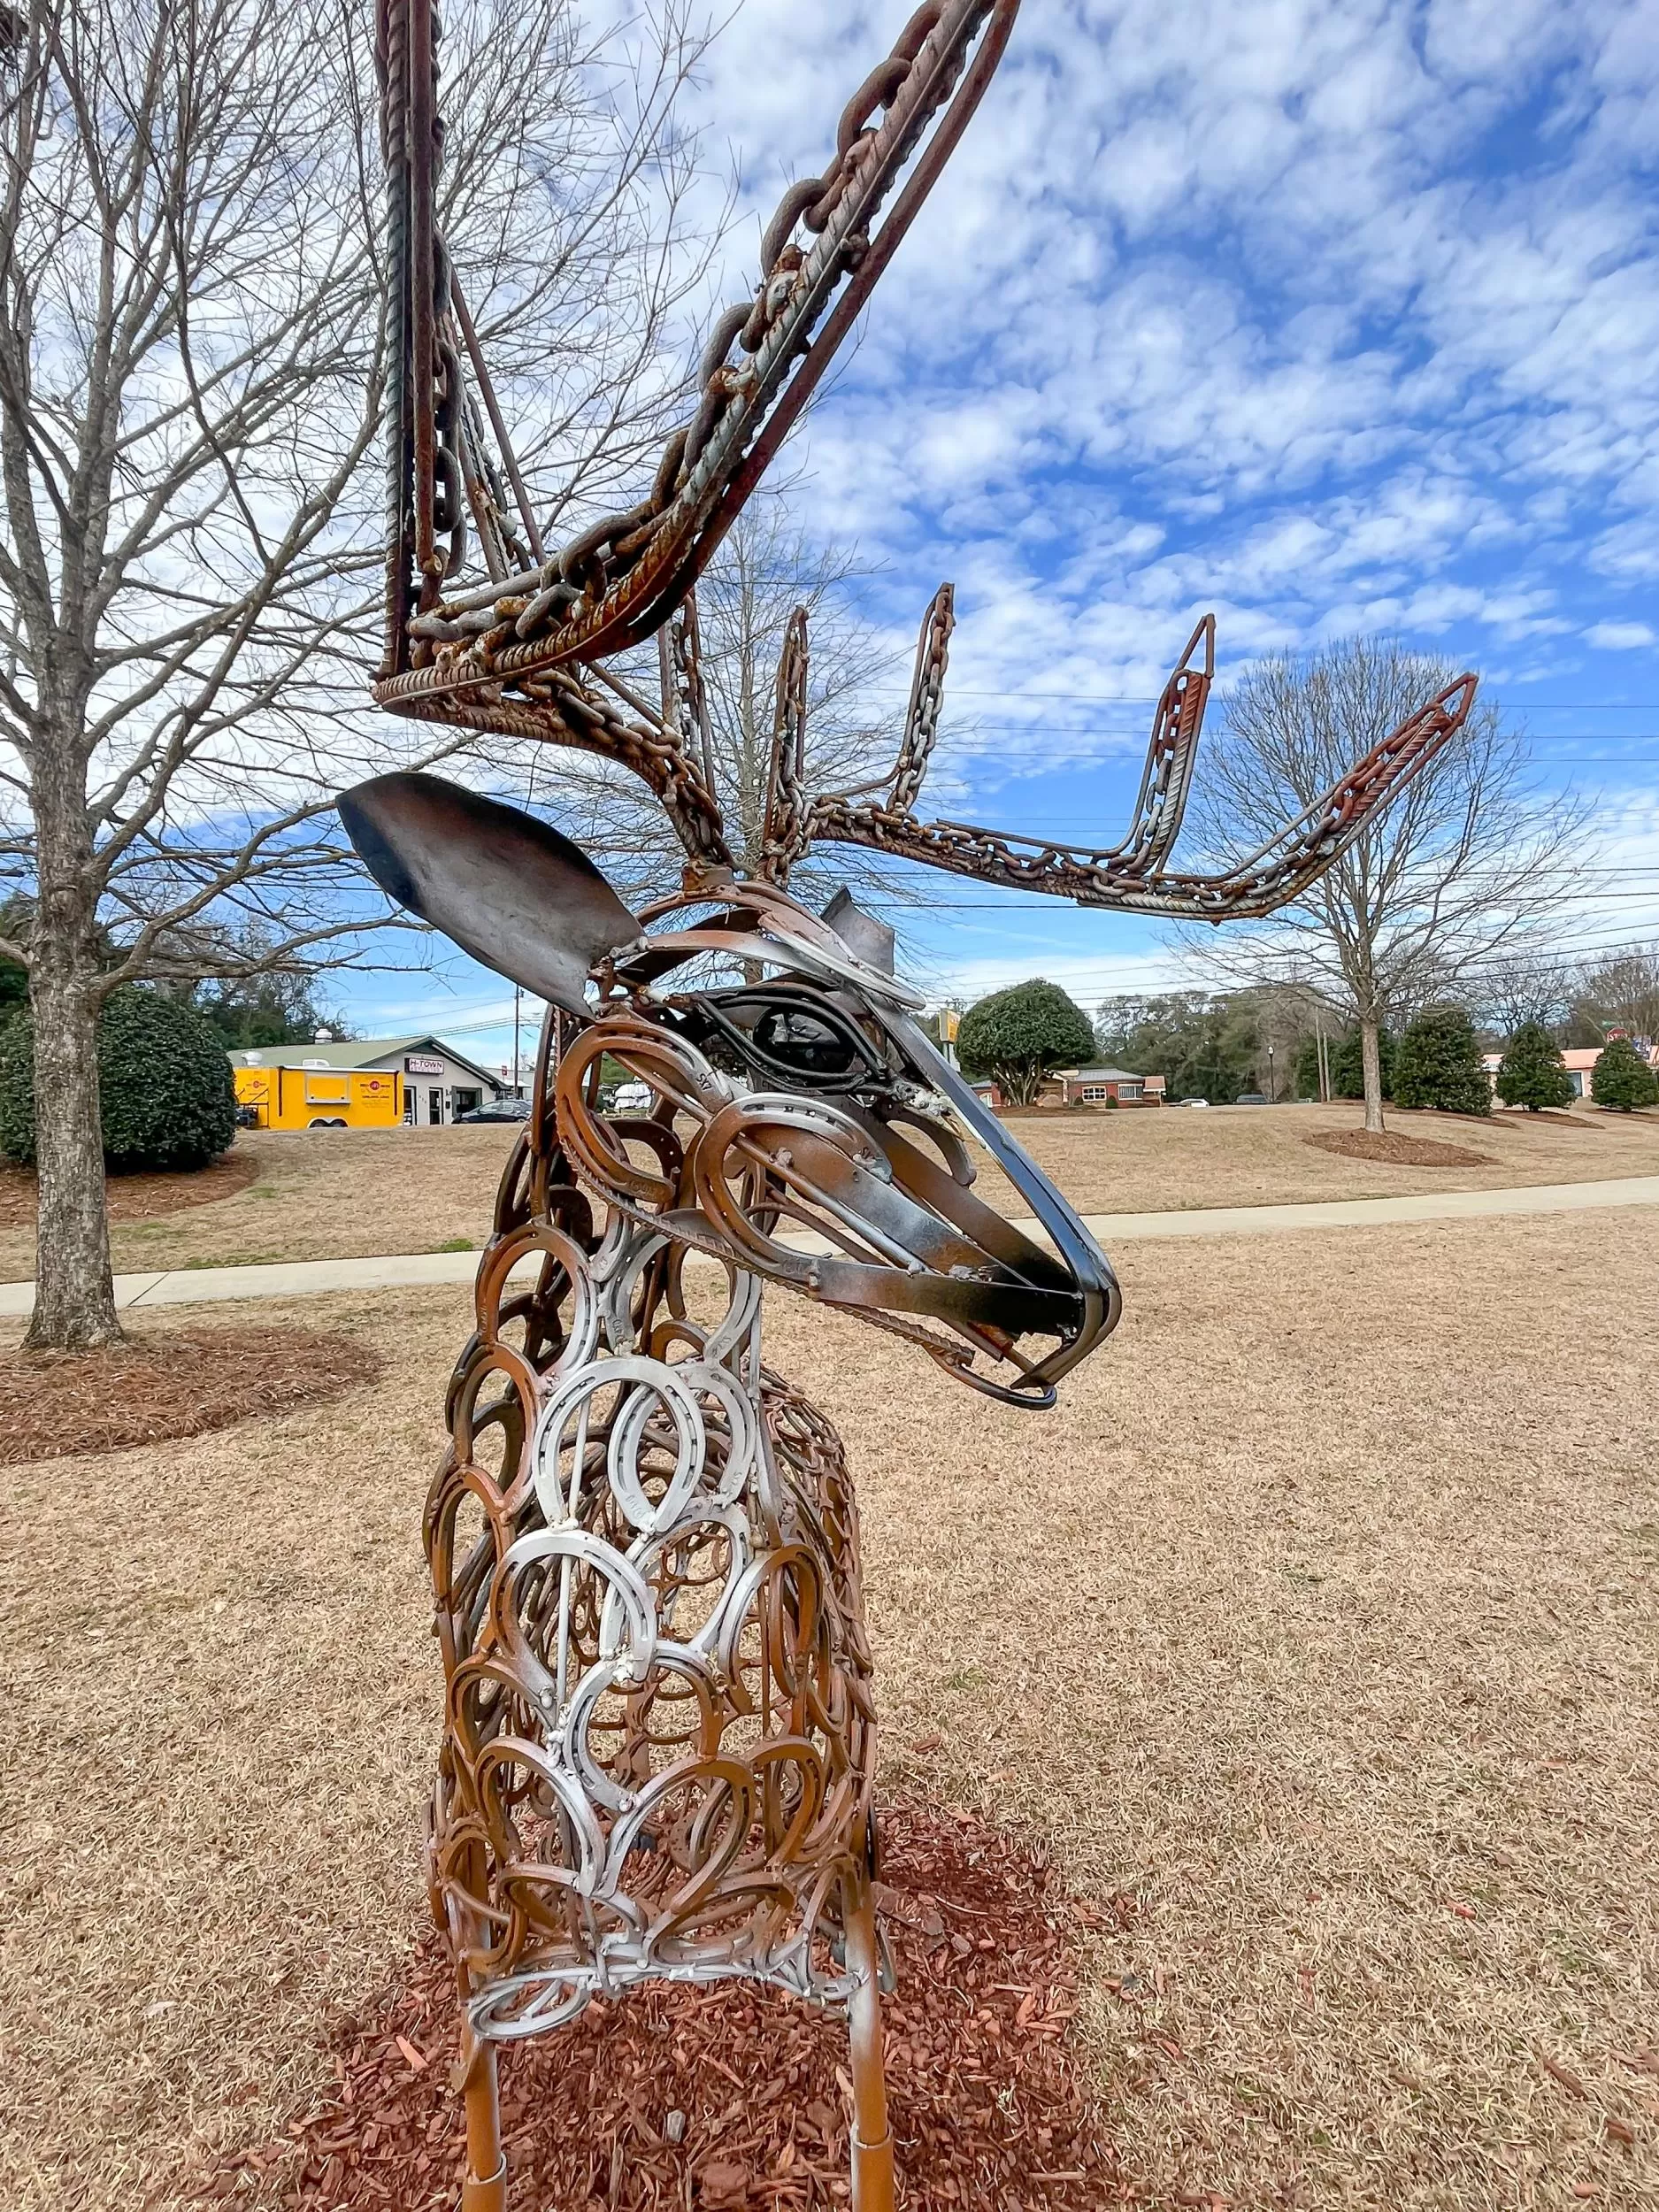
134 1197
1318 1622
320 1194
1144 1161
359 1193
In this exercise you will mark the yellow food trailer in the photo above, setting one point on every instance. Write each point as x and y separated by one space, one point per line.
321 1098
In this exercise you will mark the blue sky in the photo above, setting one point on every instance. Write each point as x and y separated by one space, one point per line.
1330 317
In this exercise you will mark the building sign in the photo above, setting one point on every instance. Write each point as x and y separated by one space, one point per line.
422 1064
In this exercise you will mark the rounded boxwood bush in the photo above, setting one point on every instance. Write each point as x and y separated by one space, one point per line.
1437 1065
167 1097
1622 1079
1017 1035
1532 1073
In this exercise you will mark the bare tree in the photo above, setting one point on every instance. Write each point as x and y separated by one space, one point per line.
1524 984
1470 860
765 569
1620 993
193 358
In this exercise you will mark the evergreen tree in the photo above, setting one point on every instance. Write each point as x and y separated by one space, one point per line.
279 1009
1622 1079
1532 1073
1348 1073
1306 1079
1439 1065
1017 1036
1205 1043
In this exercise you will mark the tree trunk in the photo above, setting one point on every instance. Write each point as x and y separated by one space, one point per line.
75 1291
1370 1069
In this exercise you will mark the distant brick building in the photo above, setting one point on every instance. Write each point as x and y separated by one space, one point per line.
1092 1087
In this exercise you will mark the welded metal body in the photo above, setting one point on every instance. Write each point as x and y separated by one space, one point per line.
658 1748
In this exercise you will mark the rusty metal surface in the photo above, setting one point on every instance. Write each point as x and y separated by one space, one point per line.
1252 887
658 1747
1131 875
644 1553
621 578
786 828
659 1741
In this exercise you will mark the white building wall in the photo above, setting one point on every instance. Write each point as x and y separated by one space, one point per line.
433 1080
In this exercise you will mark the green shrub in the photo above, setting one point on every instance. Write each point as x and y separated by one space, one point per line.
1437 1065
166 1095
1017 1036
1532 1073
1622 1079
1348 1065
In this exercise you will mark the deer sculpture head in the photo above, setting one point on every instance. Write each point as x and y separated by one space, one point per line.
659 1752
802 1120
801 1125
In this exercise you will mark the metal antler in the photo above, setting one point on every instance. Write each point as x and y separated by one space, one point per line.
1130 874
1167 777
787 828
495 654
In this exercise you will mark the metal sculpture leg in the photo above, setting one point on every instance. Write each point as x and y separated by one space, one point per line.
485 2187
872 2140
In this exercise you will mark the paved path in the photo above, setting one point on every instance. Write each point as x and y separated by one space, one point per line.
295 1279
1369 1213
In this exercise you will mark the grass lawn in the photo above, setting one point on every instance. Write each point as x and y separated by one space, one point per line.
1317 1626
328 1193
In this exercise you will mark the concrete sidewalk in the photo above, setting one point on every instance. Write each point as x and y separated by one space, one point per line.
1376 1213
411 1270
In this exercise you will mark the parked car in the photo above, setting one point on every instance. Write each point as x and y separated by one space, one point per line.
1251 1098
631 1098
499 1109
1192 1101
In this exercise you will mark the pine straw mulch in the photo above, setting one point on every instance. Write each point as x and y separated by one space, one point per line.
136 1197
174 1384
1397 1151
984 2101
1543 1118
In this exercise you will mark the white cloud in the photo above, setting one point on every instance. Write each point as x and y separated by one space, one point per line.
1332 312
1620 637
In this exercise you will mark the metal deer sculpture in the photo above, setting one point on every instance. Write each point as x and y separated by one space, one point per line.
659 1745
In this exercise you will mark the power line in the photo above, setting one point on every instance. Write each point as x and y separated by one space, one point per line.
1151 698
1296 965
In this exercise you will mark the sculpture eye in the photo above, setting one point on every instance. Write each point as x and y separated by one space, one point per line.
802 1040
781 1033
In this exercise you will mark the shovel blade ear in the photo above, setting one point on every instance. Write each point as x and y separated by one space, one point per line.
865 938
500 884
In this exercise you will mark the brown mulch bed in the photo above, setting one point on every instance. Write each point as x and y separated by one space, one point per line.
136 1197
1545 1117
985 2105
1398 1151
151 1387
